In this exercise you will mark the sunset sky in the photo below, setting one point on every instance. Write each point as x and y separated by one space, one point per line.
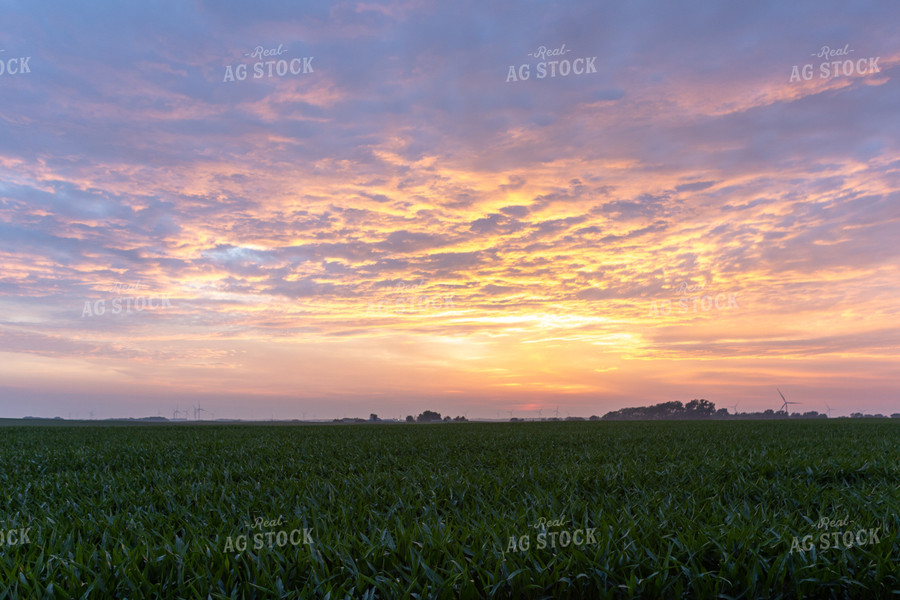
400 223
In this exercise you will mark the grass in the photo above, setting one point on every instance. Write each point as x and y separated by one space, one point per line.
679 509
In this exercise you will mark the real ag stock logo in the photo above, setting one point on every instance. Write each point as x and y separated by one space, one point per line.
839 534
119 303
548 537
276 536
268 65
552 64
18 536
690 302
17 65
409 298
829 69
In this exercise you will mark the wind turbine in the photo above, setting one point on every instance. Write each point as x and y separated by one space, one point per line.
784 407
734 408
197 410
828 412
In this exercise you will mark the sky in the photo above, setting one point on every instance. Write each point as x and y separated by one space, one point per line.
491 209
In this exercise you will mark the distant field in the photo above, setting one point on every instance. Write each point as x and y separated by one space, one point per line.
664 509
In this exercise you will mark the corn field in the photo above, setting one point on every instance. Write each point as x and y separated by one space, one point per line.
462 510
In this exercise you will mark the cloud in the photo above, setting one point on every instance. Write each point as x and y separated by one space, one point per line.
554 210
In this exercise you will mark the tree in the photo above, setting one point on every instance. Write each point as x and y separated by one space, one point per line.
373 417
668 409
695 409
429 416
409 419
700 407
